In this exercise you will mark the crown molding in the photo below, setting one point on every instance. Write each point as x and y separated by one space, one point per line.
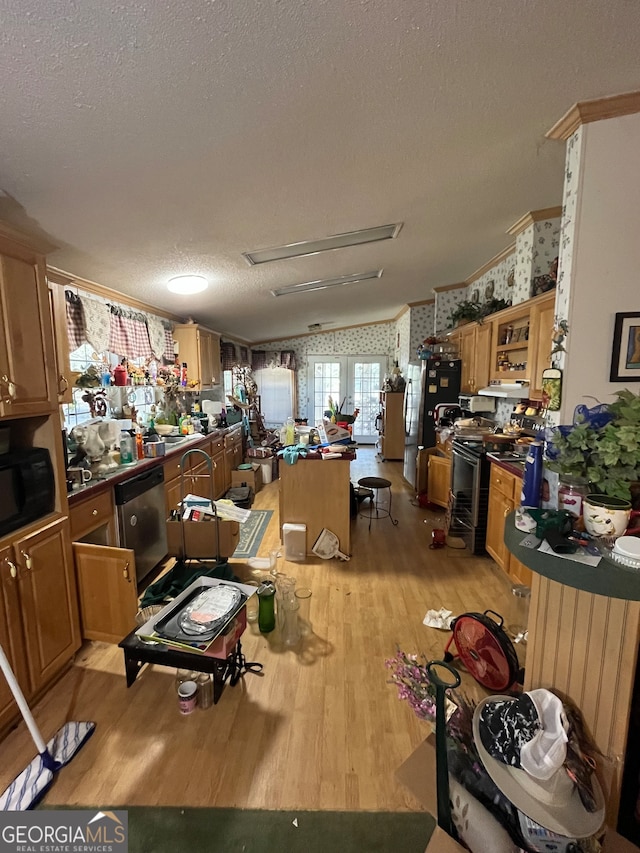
599 109
495 260
443 288
534 216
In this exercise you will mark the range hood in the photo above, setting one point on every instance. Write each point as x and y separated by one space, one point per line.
513 391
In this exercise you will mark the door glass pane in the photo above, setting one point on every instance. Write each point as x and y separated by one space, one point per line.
367 382
326 384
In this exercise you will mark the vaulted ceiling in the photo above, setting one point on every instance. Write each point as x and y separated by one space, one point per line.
149 139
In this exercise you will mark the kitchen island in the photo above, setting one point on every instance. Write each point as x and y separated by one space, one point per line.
316 492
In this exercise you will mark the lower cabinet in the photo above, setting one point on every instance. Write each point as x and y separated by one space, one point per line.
40 625
439 480
504 494
106 574
107 591
232 455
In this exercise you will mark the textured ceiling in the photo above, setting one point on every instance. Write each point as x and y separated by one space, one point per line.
151 138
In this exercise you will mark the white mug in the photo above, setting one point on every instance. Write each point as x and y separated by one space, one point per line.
79 476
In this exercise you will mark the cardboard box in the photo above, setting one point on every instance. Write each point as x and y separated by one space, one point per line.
252 478
201 539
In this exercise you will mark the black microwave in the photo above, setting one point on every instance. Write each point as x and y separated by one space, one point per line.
27 487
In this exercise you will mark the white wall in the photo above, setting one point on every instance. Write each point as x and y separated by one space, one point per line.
601 251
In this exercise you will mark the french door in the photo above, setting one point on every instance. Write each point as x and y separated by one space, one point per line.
353 382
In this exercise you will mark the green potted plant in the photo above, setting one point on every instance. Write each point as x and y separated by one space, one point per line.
604 450
464 312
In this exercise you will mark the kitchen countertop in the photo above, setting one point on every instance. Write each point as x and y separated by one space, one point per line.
509 461
103 482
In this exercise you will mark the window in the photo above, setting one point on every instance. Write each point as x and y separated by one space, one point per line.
276 386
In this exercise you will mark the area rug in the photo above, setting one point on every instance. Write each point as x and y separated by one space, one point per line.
251 533
167 830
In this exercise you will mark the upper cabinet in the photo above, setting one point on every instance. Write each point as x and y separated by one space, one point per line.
474 343
58 308
27 365
522 341
200 349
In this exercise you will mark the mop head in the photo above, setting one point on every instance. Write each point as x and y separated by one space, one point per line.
29 787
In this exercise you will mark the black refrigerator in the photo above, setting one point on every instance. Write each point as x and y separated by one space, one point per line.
438 382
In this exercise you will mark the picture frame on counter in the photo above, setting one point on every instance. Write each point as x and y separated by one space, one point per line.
625 356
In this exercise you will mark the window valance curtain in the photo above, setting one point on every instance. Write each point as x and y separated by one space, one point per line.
285 358
228 355
114 328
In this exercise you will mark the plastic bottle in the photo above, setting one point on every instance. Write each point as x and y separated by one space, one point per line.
532 479
126 448
183 374
139 445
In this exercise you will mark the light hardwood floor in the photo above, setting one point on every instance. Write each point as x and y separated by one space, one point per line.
321 728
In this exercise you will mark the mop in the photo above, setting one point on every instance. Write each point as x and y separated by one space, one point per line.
29 787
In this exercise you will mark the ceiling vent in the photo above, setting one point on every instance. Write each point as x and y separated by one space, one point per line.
324 284
314 247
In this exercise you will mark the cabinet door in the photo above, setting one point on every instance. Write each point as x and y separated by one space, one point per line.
27 369
58 307
500 505
10 634
439 483
107 591
468 358
49 600
540 344
482 367
172 494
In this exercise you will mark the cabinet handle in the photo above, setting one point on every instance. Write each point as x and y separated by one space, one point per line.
95 512
11 388
27 560
507 511
125 572
498 481
63 384
13 571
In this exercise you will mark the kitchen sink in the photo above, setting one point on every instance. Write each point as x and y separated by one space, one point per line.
174 439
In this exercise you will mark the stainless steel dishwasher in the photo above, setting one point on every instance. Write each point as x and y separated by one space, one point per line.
140 507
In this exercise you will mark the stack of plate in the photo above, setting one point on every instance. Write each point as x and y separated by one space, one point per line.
626 551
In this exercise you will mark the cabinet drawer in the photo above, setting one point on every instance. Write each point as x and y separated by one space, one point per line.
90 514
217 446
172 468
502 481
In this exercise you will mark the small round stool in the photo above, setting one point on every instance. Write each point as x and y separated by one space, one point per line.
376 508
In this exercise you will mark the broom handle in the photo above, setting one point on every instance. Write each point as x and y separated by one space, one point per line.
21 702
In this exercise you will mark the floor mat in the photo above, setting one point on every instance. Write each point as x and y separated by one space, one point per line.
251 533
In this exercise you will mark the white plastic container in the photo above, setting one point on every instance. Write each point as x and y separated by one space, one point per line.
267 469
294 538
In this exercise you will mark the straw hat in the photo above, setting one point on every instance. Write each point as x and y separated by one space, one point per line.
522 742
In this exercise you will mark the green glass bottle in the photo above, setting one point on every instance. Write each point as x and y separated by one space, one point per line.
266 607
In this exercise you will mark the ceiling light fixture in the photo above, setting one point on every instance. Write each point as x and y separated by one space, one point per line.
185 284
313 247
308 286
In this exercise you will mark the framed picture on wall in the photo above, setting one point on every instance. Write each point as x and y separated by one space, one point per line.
625 355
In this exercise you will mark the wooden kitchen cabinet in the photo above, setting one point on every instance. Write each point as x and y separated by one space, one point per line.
232 454
106 574
439 479
27 361
504 495
522 341
48 600
58 308
200 348
540 343
474 344
392 437
107 591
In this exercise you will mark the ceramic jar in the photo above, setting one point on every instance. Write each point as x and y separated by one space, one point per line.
604 516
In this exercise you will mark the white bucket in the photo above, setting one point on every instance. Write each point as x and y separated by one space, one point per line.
267 469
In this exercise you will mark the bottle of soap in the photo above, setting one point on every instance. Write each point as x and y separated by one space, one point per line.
126 448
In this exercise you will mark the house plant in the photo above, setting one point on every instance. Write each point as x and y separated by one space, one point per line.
602 446
464 312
